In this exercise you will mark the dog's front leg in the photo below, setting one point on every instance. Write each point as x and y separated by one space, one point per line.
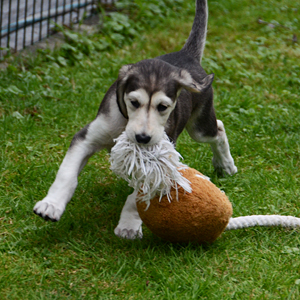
85 143
62 190
130 224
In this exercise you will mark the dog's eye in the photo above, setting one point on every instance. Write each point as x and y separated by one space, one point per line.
135 104
161 107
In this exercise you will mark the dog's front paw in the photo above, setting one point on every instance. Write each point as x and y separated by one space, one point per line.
222 165
48 210
129 233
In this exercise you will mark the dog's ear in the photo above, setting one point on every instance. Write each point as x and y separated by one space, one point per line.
185 79
124 73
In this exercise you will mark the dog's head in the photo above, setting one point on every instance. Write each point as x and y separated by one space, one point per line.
147 93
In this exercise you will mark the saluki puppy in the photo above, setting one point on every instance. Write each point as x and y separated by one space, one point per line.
165 94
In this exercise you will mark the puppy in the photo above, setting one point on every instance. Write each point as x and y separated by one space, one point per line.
153 96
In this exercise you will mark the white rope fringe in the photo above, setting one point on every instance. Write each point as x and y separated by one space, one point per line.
153 169
263 220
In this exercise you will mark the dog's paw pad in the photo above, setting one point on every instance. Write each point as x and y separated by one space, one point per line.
48 211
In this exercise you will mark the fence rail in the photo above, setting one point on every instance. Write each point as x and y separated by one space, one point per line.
25 22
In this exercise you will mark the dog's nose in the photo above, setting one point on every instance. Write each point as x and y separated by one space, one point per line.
142 138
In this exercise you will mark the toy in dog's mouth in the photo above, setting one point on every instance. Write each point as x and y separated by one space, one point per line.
152 170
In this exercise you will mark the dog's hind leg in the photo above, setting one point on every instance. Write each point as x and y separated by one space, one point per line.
130 224
222 159
94 137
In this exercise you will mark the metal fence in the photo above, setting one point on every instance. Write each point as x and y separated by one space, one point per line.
25 22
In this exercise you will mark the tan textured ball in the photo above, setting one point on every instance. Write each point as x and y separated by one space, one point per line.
200 216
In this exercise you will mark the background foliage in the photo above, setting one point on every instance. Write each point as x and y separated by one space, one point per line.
46 98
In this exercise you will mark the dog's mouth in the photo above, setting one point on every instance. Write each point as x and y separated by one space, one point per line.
150 144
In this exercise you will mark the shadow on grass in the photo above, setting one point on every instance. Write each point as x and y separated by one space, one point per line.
88 224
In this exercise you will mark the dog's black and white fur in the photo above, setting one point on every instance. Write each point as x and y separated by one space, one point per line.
167 93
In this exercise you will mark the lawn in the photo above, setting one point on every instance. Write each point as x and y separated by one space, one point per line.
46 98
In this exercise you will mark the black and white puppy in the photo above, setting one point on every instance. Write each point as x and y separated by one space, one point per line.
167 93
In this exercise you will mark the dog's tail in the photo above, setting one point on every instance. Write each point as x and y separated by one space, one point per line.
196 40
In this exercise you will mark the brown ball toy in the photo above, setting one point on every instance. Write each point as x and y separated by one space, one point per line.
200 216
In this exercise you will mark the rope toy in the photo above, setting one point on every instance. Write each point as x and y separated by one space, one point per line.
178 203
154 169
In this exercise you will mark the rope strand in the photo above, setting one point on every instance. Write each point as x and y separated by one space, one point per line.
263 220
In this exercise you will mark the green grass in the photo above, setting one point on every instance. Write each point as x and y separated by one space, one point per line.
43 104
